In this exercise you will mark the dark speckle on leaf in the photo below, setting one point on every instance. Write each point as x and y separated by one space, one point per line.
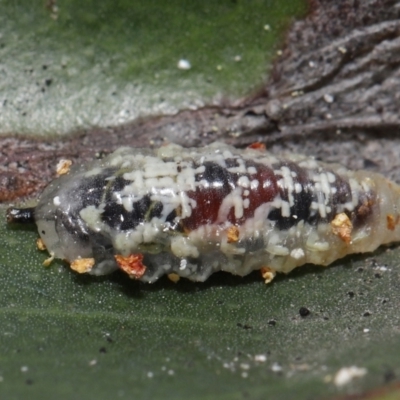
244 326
304 312
367 314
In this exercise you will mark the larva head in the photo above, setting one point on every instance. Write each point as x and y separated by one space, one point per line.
58 222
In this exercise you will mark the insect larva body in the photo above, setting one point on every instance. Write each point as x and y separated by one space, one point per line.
191 212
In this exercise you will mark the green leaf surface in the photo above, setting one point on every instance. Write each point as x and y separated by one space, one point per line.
87 63
76 336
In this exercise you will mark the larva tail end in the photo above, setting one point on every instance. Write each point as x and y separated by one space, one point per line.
20 215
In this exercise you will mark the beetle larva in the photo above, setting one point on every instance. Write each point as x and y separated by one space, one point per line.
191 212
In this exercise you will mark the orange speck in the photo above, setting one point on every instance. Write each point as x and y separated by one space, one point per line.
342 227
131 264
392 221
268 274
232 234
174 277
63 167
82 265
40 244
257 146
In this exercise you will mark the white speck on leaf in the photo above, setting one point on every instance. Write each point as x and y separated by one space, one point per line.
346 374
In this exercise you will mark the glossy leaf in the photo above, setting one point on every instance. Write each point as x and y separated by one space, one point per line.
67 336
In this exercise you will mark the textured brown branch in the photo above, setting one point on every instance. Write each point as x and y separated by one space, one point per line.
334 93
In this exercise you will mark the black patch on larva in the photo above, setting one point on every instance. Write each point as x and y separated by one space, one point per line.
116 216
216 176
302 200
364 209
343 191
89 193
72 223
231 163
116 185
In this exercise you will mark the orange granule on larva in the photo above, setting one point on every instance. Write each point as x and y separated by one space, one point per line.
63 167
40 244
342 227
268 274
174 277
82 265
257 146
232 234
392 221
132 265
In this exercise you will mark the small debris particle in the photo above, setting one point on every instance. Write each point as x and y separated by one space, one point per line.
304 311
367 314
150 374
238 58
272 322
366 330
92 362
24 368
346 374
171 372
184 64
279 52
328 98
276 367
219 67
245 366
267 27
109 338
63 166
311 64
245 326
342 49
244 374
260 358
56 201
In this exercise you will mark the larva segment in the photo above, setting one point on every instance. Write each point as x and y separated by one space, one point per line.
191 212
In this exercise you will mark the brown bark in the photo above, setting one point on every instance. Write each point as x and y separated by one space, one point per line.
334 93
